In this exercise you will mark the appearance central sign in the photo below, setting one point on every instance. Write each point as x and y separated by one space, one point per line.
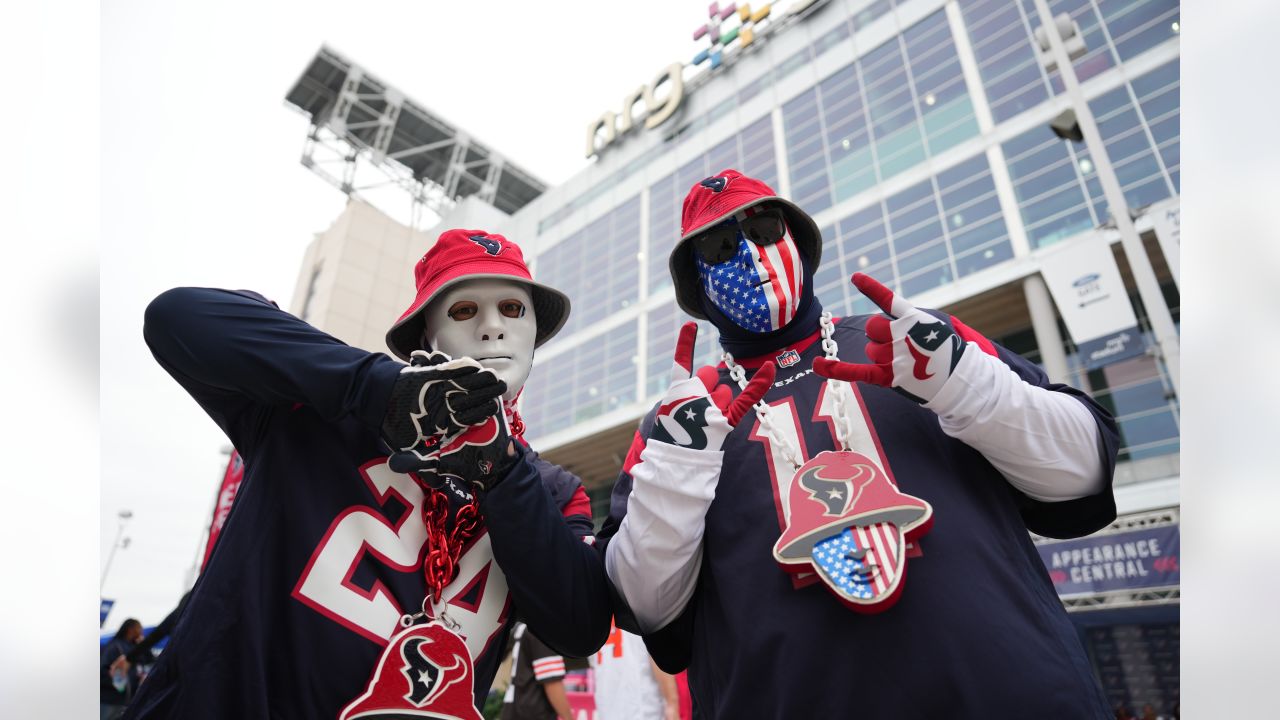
1128 560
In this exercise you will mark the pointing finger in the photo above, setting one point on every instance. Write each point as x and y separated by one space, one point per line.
883 297
682 369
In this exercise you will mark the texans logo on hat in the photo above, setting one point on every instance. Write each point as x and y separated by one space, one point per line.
715 183
491 245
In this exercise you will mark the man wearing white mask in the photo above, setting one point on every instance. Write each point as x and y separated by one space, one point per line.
392 523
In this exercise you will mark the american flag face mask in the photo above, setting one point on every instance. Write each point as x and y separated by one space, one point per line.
750 269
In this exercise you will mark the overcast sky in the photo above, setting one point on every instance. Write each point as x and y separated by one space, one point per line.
148 146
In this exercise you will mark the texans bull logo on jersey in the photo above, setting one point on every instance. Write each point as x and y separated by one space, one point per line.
851 525
425 671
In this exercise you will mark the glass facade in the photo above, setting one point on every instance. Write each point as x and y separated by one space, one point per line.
1114 31
664 323
1050 190
899 104
890 115
596 267
930 234
595 378
1056 183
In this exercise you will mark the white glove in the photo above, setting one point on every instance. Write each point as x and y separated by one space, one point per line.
655 558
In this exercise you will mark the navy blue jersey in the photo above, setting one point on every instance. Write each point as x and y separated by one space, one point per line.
977 631
323 549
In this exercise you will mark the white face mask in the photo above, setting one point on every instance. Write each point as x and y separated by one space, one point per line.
490 321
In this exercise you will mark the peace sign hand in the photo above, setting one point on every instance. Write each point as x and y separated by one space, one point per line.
697 411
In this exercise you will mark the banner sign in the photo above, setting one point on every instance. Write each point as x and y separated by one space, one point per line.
1086 286
1166 220
1128 560
226 495
104 611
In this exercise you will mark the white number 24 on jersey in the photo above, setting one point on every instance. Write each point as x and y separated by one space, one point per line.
325 584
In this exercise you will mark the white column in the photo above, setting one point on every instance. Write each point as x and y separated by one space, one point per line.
642 305
780 154
969 68
986 125
1044 323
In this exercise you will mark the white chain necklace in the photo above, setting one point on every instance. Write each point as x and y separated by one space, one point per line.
839 396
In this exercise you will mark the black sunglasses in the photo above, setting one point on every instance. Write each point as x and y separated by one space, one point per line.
720 243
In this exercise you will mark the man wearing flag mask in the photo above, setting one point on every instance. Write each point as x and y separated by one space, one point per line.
855 543
392 524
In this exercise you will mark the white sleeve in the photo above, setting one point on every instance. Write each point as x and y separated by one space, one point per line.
1045 443
655 557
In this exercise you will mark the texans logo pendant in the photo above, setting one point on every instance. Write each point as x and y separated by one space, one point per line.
851 525
425 671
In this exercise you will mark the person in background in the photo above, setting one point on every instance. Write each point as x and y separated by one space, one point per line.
629 685
117 679
537 689
142 653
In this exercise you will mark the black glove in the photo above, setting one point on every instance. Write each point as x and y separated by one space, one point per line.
480 457
433 400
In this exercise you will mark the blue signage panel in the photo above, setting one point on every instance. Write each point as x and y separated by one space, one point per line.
1112 347
105 611
1133 559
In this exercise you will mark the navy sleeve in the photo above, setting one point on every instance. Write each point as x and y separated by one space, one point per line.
1082 516
240 357
672 647
556 578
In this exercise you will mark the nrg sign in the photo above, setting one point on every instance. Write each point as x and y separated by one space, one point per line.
610 125
657 110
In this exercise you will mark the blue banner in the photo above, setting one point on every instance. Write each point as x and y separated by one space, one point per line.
105 611
1145 558
1114 347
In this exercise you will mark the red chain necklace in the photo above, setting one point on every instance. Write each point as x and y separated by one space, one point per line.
445 543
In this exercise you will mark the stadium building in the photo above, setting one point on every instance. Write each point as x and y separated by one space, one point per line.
939 149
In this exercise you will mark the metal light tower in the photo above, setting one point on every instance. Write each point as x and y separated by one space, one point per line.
366 135
120 542
1053 29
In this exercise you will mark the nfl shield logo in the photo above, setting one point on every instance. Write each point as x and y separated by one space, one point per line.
788 358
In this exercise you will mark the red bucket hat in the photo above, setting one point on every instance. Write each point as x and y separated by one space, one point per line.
712 200
467 255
